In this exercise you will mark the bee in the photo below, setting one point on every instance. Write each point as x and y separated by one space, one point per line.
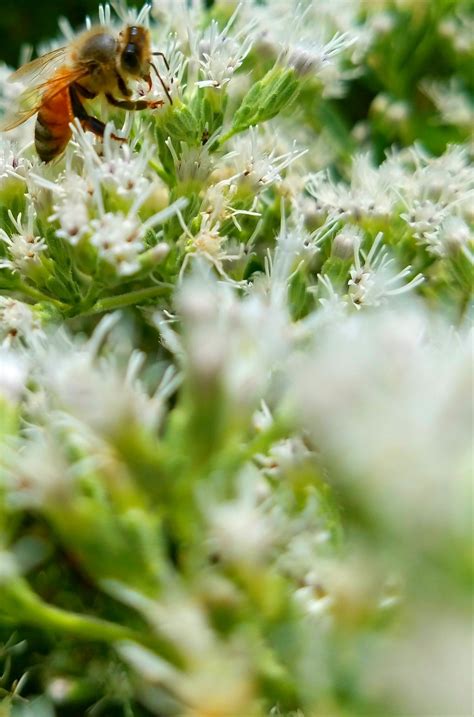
97 62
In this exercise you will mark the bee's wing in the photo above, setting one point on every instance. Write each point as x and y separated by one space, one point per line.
30 99
33 72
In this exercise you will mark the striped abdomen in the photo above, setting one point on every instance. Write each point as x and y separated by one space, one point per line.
52 131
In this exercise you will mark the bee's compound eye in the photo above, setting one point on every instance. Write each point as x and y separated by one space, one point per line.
130 58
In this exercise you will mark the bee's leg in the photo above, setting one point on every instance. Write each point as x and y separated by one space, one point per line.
166 89
167 65
122 86
134 104
163 57
87 121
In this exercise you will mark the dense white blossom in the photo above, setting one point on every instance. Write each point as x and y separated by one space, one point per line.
221 52
17 322
24 247
373 277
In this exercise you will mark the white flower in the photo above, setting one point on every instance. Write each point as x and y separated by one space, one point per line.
295 247
334 306
452 102
24 247
122 168
124 171
208 242
17 322
118 240
20 136
230 342
458 29
70 375
315 56
128 16
172 72
193 163
424 217
346 242
430 190
220 54
283 457
13 374
238 532
375 279
451 236
438 188
119 237
369 194
313 604
71 195
179 16
386 396
313 42
12 164
72 215
447 180
41 474
255 158
217 203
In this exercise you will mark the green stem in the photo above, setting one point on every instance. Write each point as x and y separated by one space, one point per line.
33 293
233 460
263 441
23 605
224 138
159 170
133 297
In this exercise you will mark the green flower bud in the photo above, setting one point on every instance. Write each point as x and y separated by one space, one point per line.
265 99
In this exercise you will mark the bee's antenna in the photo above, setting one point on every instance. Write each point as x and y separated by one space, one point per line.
161 79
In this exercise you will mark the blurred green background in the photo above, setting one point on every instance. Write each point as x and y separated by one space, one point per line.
32 21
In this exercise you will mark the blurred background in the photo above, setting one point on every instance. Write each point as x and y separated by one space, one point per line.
32 22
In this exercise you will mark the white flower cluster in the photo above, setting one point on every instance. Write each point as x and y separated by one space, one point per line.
314 43
220 53
373 278
24 248
452 102
17 323
77 201
379 421
430 190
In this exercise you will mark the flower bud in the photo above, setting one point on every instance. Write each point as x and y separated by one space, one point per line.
345 243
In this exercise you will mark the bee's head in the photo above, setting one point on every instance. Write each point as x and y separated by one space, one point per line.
135 51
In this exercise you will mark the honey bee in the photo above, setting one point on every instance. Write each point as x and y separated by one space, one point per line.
97 62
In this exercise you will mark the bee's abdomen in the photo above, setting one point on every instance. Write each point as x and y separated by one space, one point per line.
52 131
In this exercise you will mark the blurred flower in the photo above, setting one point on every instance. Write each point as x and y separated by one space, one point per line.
13 375
451 101
406 460
17 322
